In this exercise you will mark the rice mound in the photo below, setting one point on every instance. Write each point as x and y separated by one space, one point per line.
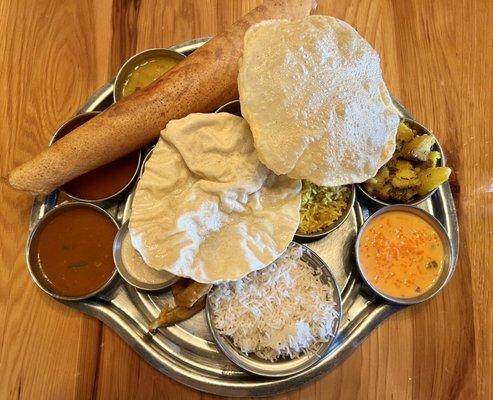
279 311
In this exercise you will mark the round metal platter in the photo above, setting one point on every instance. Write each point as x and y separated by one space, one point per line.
187 352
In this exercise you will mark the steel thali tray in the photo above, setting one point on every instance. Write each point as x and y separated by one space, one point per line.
187 353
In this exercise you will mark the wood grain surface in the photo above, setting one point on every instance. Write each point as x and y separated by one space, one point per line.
437 59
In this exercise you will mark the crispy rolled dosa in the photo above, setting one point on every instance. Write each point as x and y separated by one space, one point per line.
200 83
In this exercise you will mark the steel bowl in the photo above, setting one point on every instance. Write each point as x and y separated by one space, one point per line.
416 126
136 60
124 271
35 268
447 270
69 126
332 227
284 366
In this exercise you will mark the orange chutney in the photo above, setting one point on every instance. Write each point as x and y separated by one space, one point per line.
401 254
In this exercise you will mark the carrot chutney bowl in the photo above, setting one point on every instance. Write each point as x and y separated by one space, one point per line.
404 254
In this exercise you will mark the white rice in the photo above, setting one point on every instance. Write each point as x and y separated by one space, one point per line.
278 311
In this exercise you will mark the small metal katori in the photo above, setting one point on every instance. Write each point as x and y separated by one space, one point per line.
310 237
447 269
283 366
34 266
160 279
422 130
136 60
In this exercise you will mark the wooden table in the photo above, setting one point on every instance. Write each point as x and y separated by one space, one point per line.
437 59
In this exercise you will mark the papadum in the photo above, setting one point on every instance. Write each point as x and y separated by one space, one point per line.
206 208
313 93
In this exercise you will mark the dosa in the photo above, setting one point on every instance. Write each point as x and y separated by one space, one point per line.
200 83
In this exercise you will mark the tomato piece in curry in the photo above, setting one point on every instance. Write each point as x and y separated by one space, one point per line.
401 254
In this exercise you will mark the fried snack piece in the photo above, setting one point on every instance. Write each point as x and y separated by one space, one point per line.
179 286
200 83
189 298
172 315
191 294
313 94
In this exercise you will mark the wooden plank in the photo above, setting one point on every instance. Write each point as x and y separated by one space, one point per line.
49 66
437 58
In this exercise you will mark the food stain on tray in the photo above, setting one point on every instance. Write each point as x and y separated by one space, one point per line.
74 250
401 254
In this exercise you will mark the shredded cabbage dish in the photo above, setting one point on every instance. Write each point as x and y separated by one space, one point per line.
321 206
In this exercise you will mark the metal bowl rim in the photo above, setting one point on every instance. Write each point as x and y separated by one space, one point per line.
238 358
117 259
145 159
229 103
117 94
102 199
420 199
36 229
68 121
447 269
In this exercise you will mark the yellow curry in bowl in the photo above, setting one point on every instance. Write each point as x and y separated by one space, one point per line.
147 72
